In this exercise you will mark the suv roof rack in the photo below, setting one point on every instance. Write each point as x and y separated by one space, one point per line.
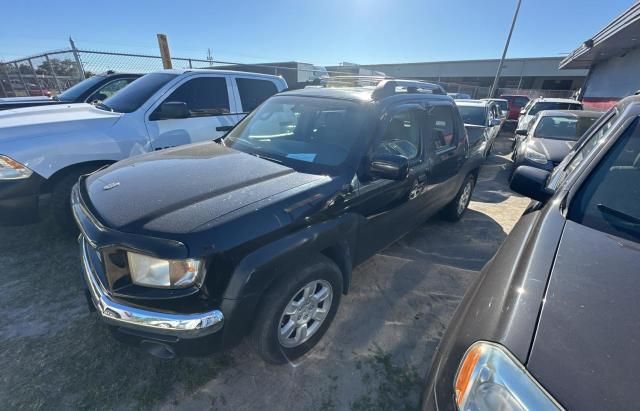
384 86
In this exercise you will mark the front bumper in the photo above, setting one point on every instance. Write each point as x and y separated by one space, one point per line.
182 326
19 200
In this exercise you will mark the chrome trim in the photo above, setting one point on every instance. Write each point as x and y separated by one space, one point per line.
112 312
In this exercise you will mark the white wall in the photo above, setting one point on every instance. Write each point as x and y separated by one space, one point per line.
615 78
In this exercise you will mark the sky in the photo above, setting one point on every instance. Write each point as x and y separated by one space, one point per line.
324 32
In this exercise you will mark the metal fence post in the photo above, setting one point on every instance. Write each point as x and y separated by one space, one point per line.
53 73
4 69
35 76
76 55
190 66
24 84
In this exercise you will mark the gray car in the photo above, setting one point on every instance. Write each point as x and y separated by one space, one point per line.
553 320
482 120
550 137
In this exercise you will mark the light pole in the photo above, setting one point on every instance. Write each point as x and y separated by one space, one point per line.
504 53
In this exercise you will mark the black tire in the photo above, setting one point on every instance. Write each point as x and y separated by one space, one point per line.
60 203
453 211
270 313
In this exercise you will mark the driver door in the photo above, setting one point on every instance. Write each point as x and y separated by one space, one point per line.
212 112
392 208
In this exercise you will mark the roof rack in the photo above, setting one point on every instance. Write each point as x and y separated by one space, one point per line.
384 86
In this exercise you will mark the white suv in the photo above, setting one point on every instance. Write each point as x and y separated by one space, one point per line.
45 149
535 106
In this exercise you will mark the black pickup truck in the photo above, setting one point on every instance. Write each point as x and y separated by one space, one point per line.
190 249
95 88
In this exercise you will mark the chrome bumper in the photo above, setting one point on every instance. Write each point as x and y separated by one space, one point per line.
178 325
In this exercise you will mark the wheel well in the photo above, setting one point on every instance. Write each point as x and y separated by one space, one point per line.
475 172
86 167
340 255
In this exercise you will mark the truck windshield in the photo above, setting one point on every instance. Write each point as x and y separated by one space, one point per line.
72 94
130 98
473 115
314 135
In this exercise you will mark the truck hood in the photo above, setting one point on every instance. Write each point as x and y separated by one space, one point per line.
585 348
555 150
177 190
50 119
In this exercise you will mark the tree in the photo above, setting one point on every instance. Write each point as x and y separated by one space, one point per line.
64 67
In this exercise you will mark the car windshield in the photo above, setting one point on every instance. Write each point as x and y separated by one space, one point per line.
473 115
550 105
130 98
313 135
563 128
72 94
504 106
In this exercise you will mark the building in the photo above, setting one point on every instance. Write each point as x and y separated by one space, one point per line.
612 57
524 73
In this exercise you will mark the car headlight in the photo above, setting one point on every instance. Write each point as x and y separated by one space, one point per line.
12 170
156 272
491 378
535 156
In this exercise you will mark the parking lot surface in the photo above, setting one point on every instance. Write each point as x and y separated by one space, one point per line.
56 355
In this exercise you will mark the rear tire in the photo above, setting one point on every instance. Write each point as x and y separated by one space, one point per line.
458 206
290 320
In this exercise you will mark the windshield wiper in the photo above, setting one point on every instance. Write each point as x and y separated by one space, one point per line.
273 160
619 214
103 106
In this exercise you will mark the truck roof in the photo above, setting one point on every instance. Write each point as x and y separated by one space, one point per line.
216 71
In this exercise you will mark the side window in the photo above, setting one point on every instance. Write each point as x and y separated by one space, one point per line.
441 128
608 200
253 92
109 89
402 135
205 96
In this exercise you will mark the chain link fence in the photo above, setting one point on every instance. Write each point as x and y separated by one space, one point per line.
52 72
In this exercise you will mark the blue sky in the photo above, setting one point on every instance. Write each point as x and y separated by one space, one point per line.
321 31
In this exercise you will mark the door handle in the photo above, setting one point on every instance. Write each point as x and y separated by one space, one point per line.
224 128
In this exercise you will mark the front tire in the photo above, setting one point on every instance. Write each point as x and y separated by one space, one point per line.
457 207
60 203
297 311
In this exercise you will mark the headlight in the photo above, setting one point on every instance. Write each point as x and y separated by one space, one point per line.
535 156
12 170
491 378
156 272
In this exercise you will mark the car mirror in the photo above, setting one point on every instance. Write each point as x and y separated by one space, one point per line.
521 132
522 112
172 110
494 122
389 166
531 182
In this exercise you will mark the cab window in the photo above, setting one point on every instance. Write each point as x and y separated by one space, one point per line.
608 200
253 92
440 127
402 135
205 96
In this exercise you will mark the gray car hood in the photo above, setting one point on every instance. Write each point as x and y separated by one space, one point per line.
585 351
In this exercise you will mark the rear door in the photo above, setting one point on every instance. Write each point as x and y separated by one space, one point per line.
211 107
446 152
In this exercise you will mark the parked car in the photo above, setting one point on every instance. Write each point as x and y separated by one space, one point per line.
459 96
258 235
482 121
550 137
551 322
539 104
95 88
516 103
503 105
43 150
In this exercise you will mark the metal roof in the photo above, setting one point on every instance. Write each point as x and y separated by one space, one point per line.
617 38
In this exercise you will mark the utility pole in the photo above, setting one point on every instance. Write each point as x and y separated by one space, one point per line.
494 88
164 51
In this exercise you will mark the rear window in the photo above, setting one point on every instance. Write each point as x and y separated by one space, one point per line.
563 128
253 92
549 105
608 200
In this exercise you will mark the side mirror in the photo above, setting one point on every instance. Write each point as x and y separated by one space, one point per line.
531 182
494 122
522 112
389 166
521 131
171 110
